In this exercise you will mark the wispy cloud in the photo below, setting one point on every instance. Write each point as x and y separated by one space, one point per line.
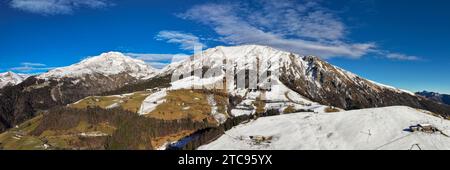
403 57
33 64
28 67
306 28
151 57
186 41
158 65
158 60
54 7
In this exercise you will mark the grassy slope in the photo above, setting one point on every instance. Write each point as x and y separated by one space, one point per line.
22 139
131 102
191 104
17 138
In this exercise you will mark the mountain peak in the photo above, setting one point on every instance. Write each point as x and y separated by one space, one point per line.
246 47
109 63
111 57
11 78
9 73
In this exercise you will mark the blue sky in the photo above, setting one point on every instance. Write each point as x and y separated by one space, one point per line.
403 43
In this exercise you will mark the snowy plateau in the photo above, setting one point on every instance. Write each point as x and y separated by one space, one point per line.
366 129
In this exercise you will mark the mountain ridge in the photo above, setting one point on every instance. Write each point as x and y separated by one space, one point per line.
309 76
438 97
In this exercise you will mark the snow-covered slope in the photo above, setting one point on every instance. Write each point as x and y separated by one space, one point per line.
111 63
153 100
308 76
368 129
11 78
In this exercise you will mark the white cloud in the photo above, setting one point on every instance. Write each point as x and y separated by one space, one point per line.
398 56
54 7
185 40
307 19
306 28
157 65
303 28
28 67
33 64
151 57
158 60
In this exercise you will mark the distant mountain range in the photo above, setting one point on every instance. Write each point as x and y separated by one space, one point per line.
441 98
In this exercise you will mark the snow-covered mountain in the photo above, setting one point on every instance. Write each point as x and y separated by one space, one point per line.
367 129
61 86
308 76
307 68
94 75
11 78
106 64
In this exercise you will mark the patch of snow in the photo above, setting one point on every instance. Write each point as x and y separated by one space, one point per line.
240 112
93 134
113 106
163 147
79 101
220 117
122 95
150 103
196 82
76 81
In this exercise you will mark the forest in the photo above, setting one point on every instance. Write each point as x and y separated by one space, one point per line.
131 130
